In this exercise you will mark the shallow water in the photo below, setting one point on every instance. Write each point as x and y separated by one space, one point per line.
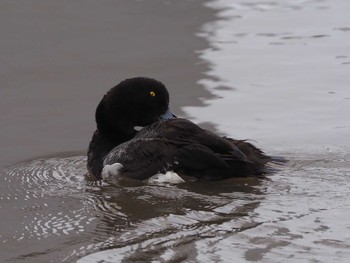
54 213
280 71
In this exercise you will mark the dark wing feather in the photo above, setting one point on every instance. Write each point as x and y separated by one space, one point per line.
142 158
241 158
182 129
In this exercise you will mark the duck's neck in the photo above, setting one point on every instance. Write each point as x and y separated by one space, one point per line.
108 135
101 144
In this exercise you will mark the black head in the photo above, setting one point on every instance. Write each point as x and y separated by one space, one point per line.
133 102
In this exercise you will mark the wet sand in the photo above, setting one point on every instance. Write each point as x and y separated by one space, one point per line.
58 58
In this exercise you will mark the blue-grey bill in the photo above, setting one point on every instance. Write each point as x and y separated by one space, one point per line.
167 115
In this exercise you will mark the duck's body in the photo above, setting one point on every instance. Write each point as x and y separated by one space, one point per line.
181 146
175 144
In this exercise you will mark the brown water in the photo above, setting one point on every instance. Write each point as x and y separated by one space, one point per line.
276 72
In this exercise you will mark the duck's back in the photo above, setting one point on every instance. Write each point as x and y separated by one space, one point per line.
181 146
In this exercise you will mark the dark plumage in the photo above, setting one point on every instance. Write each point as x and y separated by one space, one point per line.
166 143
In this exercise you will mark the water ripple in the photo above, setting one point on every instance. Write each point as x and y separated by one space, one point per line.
59 206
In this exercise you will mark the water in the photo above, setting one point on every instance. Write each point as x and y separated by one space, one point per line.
55 213
279 75
281 71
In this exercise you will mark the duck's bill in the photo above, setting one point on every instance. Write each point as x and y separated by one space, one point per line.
167 115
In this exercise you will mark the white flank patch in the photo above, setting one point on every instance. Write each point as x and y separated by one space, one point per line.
111 170
169 177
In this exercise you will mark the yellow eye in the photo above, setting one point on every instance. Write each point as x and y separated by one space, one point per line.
152 93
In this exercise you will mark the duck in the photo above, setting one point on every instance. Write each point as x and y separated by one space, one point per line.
138 136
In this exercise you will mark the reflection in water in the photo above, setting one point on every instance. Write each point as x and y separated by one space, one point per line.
288 63
64 215
55 212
